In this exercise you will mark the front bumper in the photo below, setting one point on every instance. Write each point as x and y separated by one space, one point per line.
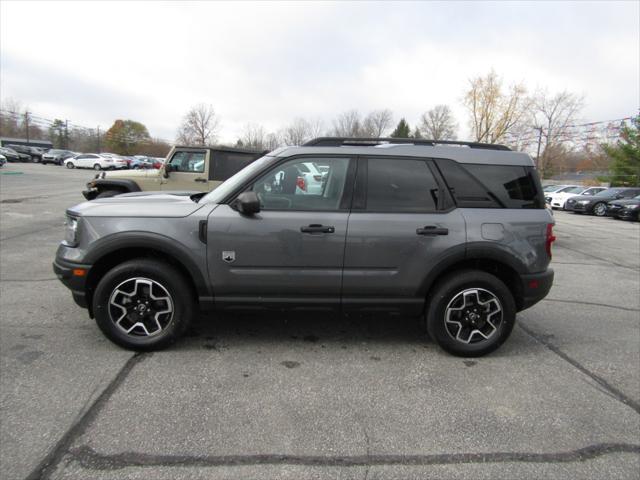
67 273
580 207
627 214
534 287
90 193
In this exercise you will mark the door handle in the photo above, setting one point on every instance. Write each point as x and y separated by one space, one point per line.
431 230
316 228
200 180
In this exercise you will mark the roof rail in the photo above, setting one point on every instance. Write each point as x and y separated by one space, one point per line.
372 142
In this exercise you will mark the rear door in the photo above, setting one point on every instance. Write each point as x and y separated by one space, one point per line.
398 231
189 171
290 253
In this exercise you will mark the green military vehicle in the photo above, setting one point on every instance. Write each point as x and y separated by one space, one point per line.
190 169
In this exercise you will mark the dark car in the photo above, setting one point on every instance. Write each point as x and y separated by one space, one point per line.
625 209
597 204
11 155
56 156
34 153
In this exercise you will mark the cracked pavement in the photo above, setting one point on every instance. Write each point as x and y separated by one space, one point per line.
280 396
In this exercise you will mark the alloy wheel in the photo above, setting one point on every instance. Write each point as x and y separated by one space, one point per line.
141 307
473 315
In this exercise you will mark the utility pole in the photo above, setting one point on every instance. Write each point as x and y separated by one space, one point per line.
26 123
539 143
98 139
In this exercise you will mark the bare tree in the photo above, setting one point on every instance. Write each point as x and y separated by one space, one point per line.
553 115
199 126
494 112
438 124
348 124
377 123
254 136
272 141
298 132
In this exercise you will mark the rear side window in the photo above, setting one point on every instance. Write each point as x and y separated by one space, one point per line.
227 164
491 186
400 185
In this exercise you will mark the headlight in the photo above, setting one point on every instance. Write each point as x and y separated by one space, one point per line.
71 231
632 207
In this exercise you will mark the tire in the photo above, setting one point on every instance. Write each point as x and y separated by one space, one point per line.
169 287
97 167
454 295
70 165
600 209
109 193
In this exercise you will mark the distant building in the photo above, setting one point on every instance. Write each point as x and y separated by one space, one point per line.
4 141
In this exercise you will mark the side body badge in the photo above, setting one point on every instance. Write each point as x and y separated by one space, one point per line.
228 256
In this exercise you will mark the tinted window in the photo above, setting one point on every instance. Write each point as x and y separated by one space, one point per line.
226 164
289 187
513 186
467 191
400 185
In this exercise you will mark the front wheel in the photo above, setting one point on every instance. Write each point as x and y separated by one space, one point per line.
70 165
143 304
600 209
470 313
97 167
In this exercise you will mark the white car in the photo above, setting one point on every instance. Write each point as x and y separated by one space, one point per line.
95 161
559 198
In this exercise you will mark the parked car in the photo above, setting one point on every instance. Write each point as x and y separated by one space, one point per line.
56 156
10 155
3 160
34 153
96 161
457 236
558 199
628 209
188 168
597 204
554 188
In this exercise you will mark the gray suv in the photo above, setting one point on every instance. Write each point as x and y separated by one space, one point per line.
454 233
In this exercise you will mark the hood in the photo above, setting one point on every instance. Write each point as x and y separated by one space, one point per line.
626 201
139 204
143 172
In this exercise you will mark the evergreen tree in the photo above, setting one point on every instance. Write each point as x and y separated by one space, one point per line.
402 130
416 133
625 168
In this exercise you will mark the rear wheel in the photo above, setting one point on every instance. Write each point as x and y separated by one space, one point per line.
70 165
600 209
143 304
97 167
470 313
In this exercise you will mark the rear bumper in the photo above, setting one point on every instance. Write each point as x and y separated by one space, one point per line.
67 274
535 287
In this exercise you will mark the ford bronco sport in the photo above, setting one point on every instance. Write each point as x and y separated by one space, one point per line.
194 169
454 233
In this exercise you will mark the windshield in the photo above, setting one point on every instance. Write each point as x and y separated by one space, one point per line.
233 182
609 192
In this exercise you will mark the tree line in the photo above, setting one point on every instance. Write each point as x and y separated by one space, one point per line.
540 122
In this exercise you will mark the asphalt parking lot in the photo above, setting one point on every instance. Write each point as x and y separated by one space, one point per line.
290 397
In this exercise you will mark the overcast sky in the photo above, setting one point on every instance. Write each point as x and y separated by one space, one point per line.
269 62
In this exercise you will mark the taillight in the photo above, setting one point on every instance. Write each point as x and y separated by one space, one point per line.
550 238
302 185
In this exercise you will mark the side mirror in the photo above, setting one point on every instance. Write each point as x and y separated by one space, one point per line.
248 203
167 169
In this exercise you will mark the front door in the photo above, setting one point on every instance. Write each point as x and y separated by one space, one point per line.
189 171
291 252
